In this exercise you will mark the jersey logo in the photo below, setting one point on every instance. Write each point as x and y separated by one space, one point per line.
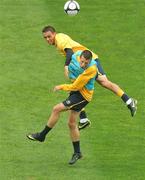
68 102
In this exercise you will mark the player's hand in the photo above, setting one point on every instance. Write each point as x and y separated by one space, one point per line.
66 71
57 88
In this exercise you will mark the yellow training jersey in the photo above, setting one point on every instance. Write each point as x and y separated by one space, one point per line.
81 81
63 41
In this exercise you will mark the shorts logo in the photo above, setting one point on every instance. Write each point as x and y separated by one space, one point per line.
68 102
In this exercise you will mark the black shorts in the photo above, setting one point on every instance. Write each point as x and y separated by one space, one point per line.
75 101
100 69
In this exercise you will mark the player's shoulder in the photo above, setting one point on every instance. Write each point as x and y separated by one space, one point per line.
92 66
62 36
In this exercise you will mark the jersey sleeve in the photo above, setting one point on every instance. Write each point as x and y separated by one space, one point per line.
69 54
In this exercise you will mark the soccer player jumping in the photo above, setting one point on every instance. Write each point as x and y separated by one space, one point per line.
67 47
83 70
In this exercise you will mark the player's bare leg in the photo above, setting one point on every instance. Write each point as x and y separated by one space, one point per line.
103 81
50 124
55 114
131 103
75 136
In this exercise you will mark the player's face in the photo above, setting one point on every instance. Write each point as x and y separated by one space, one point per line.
50 37
84 62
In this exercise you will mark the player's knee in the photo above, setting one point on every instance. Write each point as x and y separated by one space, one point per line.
71 125
56 109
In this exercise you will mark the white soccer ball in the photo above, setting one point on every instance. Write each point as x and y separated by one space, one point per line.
72 8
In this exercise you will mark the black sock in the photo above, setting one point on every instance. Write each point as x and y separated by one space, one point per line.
125 98
76 146
45 131
83 115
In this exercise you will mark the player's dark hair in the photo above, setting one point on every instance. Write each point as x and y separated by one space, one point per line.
87 54
48 28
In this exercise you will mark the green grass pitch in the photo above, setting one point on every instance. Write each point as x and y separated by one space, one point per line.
114 146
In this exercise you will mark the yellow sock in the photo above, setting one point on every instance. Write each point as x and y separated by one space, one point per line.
120 93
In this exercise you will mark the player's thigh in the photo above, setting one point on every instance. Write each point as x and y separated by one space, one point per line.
59 107
102 79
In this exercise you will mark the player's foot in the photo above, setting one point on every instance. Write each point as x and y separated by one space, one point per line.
75 157
133 107
84 124
36 137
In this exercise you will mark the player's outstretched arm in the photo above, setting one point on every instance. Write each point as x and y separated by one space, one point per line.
80 82
57 88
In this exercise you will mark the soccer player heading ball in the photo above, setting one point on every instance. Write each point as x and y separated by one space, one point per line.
68 47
